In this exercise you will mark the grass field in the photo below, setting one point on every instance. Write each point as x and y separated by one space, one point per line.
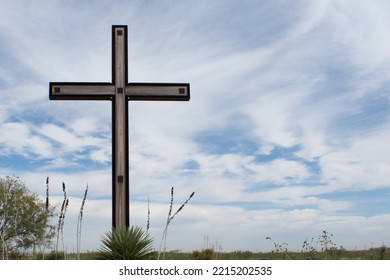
381 253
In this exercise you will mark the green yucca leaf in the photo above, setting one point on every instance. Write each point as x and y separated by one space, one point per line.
126 244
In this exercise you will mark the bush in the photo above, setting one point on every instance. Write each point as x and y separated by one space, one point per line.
126 244
206 254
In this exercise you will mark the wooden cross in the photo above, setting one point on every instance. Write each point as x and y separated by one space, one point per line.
119 92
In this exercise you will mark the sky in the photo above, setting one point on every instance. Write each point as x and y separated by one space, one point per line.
286 133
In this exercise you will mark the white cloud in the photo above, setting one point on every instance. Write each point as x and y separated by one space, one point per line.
363 29
18 138
362 164
280 171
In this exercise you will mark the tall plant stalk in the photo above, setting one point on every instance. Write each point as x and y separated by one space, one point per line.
169 220
79 222
46 215
61 220
148 221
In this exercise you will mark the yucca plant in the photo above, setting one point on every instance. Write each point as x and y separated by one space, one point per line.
131 243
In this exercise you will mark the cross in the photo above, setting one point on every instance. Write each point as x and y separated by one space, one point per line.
119 92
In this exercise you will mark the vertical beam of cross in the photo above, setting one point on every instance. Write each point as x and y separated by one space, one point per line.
119 91
120 146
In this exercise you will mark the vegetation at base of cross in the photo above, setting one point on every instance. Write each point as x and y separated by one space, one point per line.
25 233
131 243
134 243
24 220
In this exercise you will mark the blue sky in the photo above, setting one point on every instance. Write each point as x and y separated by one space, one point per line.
286 133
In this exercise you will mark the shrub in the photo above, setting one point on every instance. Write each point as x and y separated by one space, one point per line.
206 254
126 244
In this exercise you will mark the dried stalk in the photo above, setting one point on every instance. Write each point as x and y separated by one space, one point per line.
148 222
46 214
79 222
169 219
61 220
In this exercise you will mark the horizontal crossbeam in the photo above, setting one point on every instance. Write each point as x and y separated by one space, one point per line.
81 91
158 91
133 91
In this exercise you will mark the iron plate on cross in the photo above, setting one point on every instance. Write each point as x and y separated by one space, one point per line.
119 92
